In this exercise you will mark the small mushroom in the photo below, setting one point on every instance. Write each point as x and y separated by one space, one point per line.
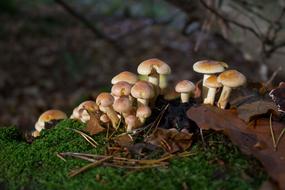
48 119
82 111
122 88
157 72
208 68
131 122
105 101
104 119
143 91
212 84
185 88
230 79
123 106
125 76
143 112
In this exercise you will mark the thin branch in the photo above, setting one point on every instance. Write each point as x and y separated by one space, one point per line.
88 24
214 11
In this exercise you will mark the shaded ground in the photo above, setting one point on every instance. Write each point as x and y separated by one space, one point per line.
49 60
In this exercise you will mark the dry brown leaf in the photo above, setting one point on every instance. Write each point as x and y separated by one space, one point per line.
93 125
256 141
170 140
124 140
253 110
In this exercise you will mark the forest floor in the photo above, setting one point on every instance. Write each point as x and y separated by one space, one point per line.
50 60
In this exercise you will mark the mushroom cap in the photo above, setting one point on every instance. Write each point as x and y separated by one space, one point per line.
212 82
104 118
105 99
126 76
143 111
142 89
122 105
131 120
121 88
89 105
231 78
147 66
185 86
52 115
209 66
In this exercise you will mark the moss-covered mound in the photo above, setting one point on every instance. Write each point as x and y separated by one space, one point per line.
36 166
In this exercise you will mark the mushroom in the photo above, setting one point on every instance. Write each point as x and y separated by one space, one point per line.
208 68
122 88
105 101
143 91
48 119
35 133
156 70
126 76
82 111
123 106
185 87
212 84
230 79
105 119
143 112
131 122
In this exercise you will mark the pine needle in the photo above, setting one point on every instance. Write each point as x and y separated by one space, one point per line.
271 131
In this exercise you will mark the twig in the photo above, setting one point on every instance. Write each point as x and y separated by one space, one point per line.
88 24
202 138
99 162
89 139
273 76
271 131
279 138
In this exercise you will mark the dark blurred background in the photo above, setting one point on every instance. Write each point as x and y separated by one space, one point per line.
56 53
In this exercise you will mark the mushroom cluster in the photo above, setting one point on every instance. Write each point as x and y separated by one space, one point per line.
132 95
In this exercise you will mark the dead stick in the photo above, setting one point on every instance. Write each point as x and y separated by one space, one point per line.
99 162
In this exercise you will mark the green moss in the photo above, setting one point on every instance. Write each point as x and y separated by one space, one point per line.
36 165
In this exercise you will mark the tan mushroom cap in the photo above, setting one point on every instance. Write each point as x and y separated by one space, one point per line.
209 67
121 88
104 118
52 115
143 111
105 99
184 86
147 66
122 105
126 76
231 78
88 105
143 90
212 82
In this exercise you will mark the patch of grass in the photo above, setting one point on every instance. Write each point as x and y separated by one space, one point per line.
36 166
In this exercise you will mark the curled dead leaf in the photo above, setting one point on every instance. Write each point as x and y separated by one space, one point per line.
256 141
93 125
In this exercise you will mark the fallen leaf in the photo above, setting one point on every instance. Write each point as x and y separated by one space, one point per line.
123 140
246 138
93 125
251 111
278 96
170 140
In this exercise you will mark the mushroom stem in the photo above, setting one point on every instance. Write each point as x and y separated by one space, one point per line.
163 83
210 99
153 78
141 102
185 97
205 89
224 97
112 115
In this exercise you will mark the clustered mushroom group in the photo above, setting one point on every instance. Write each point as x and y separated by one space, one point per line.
132 95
